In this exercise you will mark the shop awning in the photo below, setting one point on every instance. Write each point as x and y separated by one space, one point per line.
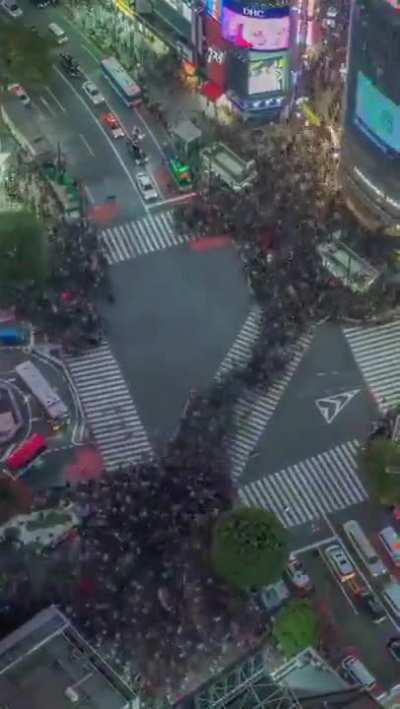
211 91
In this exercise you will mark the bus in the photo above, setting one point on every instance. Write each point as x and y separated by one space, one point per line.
126 88
50 401
26 453
364 548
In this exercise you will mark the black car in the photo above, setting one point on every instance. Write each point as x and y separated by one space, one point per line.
394 648
371 604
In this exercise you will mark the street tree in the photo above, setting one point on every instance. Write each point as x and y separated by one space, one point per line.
381 462
249 547
296 627
25 55
23 248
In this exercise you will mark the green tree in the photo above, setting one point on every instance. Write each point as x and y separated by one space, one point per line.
296 627
23 248
249 547
25 55
381 461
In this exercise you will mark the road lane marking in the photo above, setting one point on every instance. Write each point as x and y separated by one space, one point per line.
47 105
108 139
316 545
55 99
90 195
87 145
172 200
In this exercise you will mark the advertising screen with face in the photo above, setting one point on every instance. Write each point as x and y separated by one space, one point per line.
377 115
268 74
262 34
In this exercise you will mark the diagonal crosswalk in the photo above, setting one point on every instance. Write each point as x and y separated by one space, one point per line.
240 352
376 351
108 406
255 408
141 236
319 485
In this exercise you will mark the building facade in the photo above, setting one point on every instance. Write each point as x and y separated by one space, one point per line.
370 161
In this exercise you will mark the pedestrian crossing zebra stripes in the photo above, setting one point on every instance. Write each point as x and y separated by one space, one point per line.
241 350
110 412
320 485
140 236
376 351
255 409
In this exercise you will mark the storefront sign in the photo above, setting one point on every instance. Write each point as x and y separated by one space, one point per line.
215 55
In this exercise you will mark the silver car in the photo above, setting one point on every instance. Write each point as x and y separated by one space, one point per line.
93 93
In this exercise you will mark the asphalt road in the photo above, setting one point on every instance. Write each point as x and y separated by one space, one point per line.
327 370
352 631
178 312
70 120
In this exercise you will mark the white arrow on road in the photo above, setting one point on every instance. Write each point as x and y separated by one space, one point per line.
330 406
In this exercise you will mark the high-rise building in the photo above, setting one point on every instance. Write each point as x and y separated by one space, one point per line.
370 163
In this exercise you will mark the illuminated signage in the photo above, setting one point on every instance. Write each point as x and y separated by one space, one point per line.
377 115
260 10
213 8
266 34
268 74
217 52
215 55
394 3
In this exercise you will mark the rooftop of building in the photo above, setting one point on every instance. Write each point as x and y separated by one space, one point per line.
47 664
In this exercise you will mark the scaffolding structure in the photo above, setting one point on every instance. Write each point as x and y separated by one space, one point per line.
246 685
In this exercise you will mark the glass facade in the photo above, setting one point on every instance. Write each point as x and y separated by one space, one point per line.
371 129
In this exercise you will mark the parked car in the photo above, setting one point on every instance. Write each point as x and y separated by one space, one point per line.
146 186
339 561
111 121
274 595
18 91
93 93
297 576
357 673
393 647
12 9
372 605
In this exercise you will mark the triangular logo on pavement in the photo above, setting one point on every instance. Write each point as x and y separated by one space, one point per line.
330 406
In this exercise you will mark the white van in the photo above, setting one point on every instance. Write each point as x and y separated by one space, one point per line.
391 541
356 671
58 33
391 595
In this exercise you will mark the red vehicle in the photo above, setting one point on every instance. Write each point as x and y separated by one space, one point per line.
26 452
112 122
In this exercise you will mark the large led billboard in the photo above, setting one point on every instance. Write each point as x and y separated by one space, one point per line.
377 115
267 30
268 73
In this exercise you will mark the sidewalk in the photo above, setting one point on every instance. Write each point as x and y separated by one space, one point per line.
112 31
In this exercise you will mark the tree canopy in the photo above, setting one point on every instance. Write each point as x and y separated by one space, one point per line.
249 547
23 252
381 462
296 627
25 55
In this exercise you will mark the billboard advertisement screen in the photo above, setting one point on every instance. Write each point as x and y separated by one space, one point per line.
377 115
268 73
268 33
217 53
